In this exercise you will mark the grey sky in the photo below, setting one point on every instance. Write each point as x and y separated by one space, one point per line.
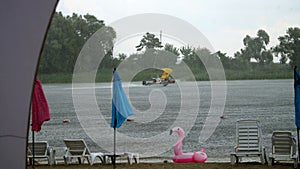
224 23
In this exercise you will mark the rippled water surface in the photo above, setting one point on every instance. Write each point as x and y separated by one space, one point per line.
159 108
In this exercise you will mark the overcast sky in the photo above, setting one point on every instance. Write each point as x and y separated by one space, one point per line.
224 22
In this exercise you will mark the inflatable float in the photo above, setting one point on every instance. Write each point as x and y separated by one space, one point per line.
130 119
66 121
180 157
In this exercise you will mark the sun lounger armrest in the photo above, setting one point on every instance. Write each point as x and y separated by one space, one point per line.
51 154
235 148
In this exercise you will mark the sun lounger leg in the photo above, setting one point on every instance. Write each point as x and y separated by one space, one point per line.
30 161
88 160
271 161
137 158
129 158
79 160
52 160
263 156
233 159
262 159
296 162
132 156
93 157
67 160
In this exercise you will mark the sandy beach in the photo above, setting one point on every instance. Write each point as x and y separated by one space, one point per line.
169 166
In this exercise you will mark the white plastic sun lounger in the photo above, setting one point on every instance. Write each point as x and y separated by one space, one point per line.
77 148
130 157
283 148
248 141
41 150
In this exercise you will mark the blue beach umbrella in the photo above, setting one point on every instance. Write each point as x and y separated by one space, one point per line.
297 101
297 96
121 108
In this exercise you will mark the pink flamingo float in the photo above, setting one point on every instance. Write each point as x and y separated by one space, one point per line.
180 157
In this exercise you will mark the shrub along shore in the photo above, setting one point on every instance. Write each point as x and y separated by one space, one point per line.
230 75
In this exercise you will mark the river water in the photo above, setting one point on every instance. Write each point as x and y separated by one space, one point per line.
158 109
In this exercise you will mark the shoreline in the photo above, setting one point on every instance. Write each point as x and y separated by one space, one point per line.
161 160
168 166
165 163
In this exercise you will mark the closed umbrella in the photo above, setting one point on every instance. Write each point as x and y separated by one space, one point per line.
121 108
40 110
297 101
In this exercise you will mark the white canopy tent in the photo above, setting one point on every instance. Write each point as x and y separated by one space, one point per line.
23 29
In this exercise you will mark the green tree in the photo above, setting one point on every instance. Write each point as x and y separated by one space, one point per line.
289 47
122 56
188 54
195 58
255 47
171 48
65 39
59 46
149 41
226 61
265 56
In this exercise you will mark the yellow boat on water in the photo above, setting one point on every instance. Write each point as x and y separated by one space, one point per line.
164 78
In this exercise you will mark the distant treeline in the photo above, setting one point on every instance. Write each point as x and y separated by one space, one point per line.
68 34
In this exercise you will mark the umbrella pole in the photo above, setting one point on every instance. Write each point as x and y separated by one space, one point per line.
298 142
33 150
114 158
